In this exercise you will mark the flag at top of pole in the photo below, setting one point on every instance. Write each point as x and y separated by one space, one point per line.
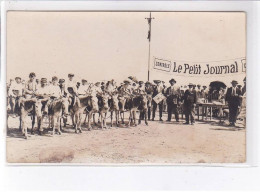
149 23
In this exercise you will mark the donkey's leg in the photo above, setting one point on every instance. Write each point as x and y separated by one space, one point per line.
73 119
122 117
102 119
117 118
33 122
145 117
76 122
140 116
23 126
130 116
20 124
59 124
89 120
53 124
105 120
94 121
40 127
50 122
99 117
79 122
111 118
65 121
85 120
134 117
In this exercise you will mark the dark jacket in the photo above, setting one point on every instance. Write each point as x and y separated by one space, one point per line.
231 99
173 95
190 97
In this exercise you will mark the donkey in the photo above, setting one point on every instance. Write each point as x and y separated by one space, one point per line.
114 107
27 107
103 109
78 110
58 108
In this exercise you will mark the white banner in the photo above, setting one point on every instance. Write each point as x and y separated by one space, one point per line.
213 68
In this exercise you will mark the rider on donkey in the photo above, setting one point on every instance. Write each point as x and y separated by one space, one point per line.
72 90
43 93
30 86
15 92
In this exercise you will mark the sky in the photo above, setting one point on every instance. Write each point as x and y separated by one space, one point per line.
105 45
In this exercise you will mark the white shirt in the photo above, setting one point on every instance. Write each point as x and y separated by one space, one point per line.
234 91
43 91
83 89
55 90
16 86
95 90
71 84
160 88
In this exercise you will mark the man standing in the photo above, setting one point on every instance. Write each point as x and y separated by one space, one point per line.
199 94
190 99
173 96
158 89
204 93
233 98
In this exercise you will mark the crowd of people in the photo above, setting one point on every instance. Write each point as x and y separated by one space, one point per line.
173 99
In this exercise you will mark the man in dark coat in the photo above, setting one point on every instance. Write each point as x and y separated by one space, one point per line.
173 97
233 98
158 88
190 100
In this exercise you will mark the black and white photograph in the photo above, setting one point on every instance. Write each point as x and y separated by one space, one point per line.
125 87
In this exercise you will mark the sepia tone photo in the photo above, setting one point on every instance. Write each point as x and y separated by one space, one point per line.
126 87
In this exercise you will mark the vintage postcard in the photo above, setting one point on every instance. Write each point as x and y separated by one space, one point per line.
126 87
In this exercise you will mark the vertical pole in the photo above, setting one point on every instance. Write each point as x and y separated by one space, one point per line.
149 63
149 39
150 23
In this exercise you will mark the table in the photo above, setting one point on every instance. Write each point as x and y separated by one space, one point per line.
206 107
